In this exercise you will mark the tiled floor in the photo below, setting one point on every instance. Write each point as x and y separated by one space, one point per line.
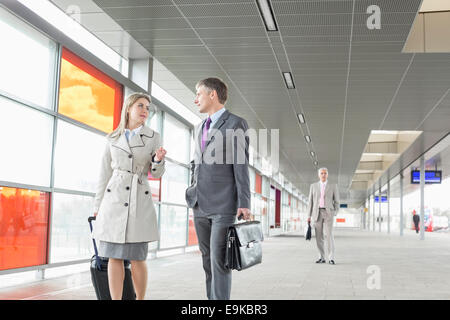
369 265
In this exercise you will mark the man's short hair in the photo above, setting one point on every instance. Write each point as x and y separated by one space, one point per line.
318 172
215 84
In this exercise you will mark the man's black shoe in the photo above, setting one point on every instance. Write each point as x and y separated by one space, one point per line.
320 260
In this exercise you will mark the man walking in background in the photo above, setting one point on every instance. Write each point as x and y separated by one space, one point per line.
416 220
322 208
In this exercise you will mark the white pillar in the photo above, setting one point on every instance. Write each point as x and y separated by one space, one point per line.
373 212
388 206
379 206
401 204
422 196
39 274
141 72
366 213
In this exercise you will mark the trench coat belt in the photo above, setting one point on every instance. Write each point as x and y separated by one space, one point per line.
136 178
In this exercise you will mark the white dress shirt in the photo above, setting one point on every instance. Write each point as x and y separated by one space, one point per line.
130 133
214 117
323 186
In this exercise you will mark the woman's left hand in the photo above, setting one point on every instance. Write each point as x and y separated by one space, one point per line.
160 154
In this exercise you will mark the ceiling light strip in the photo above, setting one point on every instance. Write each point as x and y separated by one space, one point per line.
296 90
346 94
265 9
288 80
231 80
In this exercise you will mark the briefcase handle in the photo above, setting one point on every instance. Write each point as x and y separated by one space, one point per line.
240 219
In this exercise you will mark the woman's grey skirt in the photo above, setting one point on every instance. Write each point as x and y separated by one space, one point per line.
123 251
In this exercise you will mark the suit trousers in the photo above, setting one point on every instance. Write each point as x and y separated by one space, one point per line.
211 233
325 221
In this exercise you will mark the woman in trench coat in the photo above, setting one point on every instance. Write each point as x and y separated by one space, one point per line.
126 218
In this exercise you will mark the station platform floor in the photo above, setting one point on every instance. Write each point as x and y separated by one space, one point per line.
369 265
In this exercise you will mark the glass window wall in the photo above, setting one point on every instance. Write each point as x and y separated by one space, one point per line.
70 236
78 155
27 62
173 226
174 183
176 139
27 148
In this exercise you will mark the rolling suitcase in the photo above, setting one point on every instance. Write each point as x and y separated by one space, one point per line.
99 275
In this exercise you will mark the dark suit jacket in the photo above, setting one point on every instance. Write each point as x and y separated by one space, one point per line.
220 181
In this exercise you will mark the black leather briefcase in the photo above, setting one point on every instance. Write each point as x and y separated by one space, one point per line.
243 245
308 232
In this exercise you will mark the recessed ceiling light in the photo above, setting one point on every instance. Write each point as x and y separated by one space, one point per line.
312 154
308 139
288 80
316 163
266 12
301 118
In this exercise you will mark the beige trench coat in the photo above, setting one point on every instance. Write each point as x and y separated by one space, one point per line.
123 200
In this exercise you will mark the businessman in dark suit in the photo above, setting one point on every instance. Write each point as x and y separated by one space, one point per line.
220 184
416 219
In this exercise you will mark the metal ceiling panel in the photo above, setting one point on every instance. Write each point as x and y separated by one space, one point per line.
131 3
138 12
209 2
153 24
349 79
165 34
227 22
85 6
312 7
219 9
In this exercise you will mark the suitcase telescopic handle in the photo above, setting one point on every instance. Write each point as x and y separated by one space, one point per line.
93 241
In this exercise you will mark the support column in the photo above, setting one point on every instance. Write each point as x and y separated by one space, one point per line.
40 274
363 216
366 213
401 204
141 72
422 196
370 214
388 206
379 206
373 212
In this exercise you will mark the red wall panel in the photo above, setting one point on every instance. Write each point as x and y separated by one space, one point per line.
192 236
258 183
88 95
23 227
